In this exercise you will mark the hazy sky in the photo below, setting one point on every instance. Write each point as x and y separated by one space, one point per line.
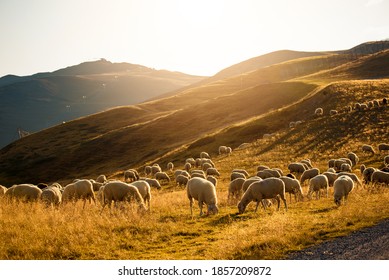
192 36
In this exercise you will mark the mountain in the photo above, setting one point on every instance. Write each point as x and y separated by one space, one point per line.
228 111
43 100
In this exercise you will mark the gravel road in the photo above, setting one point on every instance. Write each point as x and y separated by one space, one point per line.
370 243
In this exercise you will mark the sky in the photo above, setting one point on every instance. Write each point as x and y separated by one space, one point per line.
199 37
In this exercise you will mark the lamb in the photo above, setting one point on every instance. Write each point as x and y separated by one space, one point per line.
353 157
292 186
182 180
316 184
144 190
204 192
249 181
51 196
81 189
368 149
162 176
235 188
319 112
266 189
296 167
342 187
383 147
379 176
24 192
212 171
308 174
120 191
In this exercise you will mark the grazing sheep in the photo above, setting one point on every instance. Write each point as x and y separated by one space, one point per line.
292 186
332 170
162 176
222 150
296 167
207 160
212 179
249 181
229 151
24 192
147 170
264 174
266 189
331 177
144 190
367 174
192 161
338 163
308 174
275 172
187 166
345 167
212 171
333 112
96 185
353 157
383 147
262 167
130 175
235 188
368 149
119 191
101 179
51 196
199 175
386 160
362 168
206 166
204 192
81 189
316 184
204 155
235 175
379 176
352 176
182 180
152 182
342 187
241 171
181 172
170 166
307 162
155 169
319 112
331 163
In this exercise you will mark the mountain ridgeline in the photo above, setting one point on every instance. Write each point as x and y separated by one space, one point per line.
238 105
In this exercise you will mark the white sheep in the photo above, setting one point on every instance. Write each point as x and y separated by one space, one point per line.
277 173
187 166
152 182
130 175
170 166
81 189
342 187
51 196
338 163
162 176
262 167
368 149
222 150
243 171
319 112
345 167
266 189
144 190
307 162
198 175
101 178
121 192
379 176
292 186
353 177
206 166
212 171
204 192
249 181
192 161
383 147
182 180
331 177
353 157
264 174
235 175
24 192
367 172
308 174
316 184
235 188
155 169
181 172
212 179
147 170
296 167
204 155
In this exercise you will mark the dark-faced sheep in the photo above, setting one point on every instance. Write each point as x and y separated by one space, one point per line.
266 189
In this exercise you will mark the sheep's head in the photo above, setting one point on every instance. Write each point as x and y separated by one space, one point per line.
337 201
212 209
241 207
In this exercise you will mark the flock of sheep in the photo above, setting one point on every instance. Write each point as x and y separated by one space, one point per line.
199 176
